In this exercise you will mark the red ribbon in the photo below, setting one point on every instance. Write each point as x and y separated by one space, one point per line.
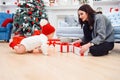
53 42
64 44
77 44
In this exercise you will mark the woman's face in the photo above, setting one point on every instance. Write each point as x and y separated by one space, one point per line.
83 15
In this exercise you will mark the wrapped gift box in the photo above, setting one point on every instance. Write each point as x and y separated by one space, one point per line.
63 47
77 48
53 44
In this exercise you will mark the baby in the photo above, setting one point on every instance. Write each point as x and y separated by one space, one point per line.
30 43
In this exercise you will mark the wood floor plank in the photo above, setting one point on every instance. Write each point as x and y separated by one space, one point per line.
58 66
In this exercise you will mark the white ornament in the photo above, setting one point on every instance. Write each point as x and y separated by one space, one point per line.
25 24
25 17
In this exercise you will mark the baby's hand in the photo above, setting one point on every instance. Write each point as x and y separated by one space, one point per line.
44 49
46 54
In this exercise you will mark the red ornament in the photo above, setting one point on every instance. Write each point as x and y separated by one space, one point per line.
30 13
111 9
32 23
28 30
36 19
16 33
15 3
36 32
38 0
27 6
19 5
40 13
116 9
31 17
8 11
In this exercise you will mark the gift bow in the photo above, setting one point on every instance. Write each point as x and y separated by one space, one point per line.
53 42
77 44
64 43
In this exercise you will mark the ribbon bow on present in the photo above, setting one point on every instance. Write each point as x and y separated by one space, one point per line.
77 44
53 42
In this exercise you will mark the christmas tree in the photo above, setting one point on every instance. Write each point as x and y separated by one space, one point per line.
27 17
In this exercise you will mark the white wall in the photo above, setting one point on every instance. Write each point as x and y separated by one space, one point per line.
105 4
10 5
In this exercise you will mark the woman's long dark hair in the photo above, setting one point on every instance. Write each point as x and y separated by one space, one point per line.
87 8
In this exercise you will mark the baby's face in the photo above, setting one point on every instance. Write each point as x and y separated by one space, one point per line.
50 36
20 49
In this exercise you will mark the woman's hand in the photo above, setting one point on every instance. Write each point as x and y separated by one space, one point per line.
85 47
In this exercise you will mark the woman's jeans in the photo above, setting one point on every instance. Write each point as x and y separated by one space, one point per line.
101 49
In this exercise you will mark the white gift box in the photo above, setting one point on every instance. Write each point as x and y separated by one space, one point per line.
76 50
57 46
63 47
70 48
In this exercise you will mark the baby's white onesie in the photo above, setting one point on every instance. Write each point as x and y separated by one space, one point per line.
32 42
